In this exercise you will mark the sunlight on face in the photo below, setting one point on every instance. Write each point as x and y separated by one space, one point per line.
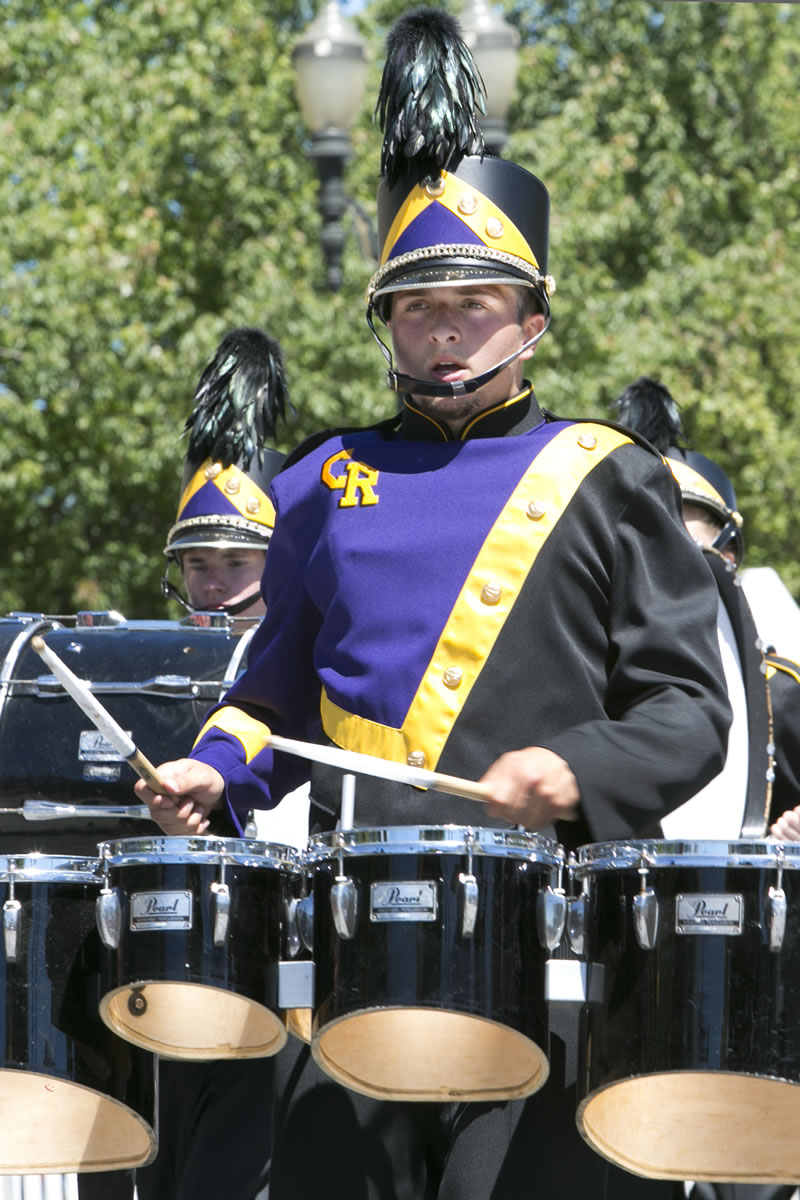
215 576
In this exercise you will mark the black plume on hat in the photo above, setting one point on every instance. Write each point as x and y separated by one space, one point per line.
429 94
648 407
238 399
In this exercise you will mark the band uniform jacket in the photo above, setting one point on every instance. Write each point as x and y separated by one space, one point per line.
760 725
783 677
438 602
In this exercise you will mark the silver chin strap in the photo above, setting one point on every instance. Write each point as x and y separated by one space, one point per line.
169 590
424 387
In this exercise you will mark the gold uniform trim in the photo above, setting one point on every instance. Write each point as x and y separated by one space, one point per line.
788 668
484 604
475 210
253 735
247 498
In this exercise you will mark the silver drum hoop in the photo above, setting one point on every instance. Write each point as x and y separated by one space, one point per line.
49 868
241 851
655 853
435 839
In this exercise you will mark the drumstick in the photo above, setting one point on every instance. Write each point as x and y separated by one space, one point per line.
51 810
100 717
368 764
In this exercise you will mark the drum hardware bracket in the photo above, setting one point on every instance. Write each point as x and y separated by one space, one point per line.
469 914
777 908
344 906
551 915
645 912
344 900
12 921
300 924
137 1002
576 922
469 884
107 907
222 910
295 985
569 982
108 912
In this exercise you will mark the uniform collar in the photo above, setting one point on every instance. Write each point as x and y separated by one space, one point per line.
519 414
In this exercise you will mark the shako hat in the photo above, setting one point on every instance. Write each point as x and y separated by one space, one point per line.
449 213
648 407
228 465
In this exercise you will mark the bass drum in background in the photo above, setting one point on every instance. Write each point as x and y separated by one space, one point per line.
157 679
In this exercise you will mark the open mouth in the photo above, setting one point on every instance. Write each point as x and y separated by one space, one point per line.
448 370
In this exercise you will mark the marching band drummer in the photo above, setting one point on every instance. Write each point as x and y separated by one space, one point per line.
470 586
759 776
219 542
759 780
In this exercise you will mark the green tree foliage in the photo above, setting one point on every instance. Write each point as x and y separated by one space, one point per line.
155 191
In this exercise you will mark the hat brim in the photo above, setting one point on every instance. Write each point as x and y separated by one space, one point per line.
221 538
451 273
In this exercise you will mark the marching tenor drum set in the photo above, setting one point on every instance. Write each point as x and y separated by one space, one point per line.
418 962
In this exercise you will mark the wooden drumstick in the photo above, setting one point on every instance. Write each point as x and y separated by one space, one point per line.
100 717
368 764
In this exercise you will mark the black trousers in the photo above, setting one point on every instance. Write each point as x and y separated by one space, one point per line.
214 1131
331 1142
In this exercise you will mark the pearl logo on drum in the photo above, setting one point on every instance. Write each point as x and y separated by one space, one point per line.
709 913
161 910
410 901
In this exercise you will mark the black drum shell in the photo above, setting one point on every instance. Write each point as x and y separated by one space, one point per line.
496 973
49 1015
696 1002
242 961
247 961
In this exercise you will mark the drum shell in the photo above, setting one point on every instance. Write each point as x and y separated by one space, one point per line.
244 962
156 679
49 1017
691 1048
431 964
695 1002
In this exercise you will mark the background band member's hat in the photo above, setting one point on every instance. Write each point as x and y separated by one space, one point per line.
648 407
228 465
448 212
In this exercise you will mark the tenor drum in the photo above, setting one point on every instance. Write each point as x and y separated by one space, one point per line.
73 1096
197 928
691 1056
429 970
158 680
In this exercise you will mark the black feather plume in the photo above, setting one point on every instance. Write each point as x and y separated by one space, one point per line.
239 398
647 407
430 93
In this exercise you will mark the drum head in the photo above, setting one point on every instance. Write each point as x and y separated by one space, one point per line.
429 1054
54 1126
192 1021
708 1126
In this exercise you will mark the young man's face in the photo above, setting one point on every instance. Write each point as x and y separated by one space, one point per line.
703 529
214 577
451 334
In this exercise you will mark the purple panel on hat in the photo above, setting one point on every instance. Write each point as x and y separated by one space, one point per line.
208 501
435 226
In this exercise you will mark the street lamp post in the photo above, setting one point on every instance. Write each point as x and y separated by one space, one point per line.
330 76
495 47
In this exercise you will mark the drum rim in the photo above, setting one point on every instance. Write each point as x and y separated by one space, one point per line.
486 841
38 867
707 852
146 851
